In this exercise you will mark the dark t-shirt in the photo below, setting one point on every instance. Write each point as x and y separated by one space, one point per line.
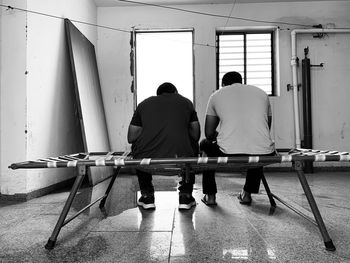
165 121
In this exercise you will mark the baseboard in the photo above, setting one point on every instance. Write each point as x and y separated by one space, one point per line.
38 192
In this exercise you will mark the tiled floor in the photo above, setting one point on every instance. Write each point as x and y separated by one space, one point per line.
228 232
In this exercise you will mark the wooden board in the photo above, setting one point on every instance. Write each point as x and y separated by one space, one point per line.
89 98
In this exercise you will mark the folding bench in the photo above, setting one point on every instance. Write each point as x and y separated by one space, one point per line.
119 160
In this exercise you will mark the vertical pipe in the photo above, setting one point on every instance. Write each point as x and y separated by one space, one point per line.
295 91
134 67
307 116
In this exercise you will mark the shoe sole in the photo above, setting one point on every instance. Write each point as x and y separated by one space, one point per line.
146 206
187 206
242 202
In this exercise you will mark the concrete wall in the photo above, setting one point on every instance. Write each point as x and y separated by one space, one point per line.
13 97
38 116
331 116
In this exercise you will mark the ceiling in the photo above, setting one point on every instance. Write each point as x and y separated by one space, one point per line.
106 3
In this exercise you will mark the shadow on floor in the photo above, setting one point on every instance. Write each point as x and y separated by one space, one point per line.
228 232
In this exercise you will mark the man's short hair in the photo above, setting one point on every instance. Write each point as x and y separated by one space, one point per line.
166 87
231 77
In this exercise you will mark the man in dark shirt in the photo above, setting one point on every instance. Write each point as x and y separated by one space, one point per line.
164 126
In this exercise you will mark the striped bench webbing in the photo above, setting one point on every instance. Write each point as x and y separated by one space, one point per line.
118 159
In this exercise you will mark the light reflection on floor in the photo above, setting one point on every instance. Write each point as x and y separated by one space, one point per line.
228 232
243 253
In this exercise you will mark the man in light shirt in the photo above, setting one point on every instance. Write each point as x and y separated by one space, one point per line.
238 121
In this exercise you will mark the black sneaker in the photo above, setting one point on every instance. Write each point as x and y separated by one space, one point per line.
147 202
186 202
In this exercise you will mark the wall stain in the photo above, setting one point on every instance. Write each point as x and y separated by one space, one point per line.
342 131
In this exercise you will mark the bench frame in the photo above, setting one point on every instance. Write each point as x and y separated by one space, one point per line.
83 160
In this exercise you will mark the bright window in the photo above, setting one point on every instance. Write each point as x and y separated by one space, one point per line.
165 56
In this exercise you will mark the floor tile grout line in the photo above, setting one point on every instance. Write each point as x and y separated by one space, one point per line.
171 236
256 230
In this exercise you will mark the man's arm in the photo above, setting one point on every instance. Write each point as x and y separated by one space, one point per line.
195 130
211 122
133 133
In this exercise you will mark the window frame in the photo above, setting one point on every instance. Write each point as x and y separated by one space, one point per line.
175 30
274 31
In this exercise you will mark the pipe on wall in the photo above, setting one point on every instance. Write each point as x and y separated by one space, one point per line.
306 91
307 114
294 72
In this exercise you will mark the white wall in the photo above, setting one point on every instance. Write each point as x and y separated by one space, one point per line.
330 89
331 127
13 97
38 117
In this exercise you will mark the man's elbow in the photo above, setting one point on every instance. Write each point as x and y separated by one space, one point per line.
130 140
269 122
132 137
196 136
133 133
195 131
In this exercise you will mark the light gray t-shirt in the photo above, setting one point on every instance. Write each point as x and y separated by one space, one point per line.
243 111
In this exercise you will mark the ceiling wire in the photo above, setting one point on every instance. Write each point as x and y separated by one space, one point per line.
160 6
82 22
62 18
228 18
212 15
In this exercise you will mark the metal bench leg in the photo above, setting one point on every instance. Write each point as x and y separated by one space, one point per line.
298 165
268 192
60 223
103 201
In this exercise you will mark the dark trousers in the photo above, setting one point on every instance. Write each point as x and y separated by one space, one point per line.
253 177
147 188
145 178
